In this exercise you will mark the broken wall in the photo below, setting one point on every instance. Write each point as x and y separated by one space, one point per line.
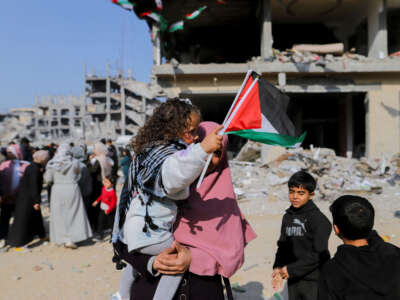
383 119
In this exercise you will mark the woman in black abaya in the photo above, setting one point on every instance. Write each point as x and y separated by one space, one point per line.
28 220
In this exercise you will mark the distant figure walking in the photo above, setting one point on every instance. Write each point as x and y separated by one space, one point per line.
100 166
125 163
68 220
28 220
85 182
11 172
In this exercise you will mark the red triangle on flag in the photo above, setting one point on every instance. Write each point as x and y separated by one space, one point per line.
248 115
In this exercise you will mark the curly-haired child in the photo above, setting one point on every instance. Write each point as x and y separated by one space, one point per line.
167 161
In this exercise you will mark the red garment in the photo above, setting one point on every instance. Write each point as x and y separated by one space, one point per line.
108 197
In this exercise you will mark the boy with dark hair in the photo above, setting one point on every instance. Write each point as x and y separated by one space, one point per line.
365 267
303 244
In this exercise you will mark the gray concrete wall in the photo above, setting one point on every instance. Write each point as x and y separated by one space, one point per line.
383 119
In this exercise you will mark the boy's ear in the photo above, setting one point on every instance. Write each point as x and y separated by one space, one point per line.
312 195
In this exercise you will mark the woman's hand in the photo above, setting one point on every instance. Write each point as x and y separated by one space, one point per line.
174 260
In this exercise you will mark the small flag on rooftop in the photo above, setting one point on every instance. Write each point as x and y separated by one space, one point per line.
124 3
259 114
152 15
159 4
176 26
157 18
196 13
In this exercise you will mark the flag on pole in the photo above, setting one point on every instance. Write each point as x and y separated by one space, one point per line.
176 26
259 114
159 4
157 18
152 15
124 3
196 13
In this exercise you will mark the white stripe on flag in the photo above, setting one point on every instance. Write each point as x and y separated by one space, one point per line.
266 126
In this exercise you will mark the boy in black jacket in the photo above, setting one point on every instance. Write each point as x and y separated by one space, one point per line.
303 244
365 267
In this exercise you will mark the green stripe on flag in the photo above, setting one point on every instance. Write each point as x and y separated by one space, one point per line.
270 138
196 13
176 26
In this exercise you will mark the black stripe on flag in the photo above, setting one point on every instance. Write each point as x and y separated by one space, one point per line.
273 104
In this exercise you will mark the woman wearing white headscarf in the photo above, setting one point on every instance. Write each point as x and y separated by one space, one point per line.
85 182
68 220
106 163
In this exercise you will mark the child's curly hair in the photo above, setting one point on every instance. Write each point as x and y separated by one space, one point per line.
168 121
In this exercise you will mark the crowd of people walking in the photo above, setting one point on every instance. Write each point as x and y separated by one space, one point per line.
80 188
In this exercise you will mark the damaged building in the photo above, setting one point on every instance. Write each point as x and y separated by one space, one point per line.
111 106
16 123
58 118
117 105
337 60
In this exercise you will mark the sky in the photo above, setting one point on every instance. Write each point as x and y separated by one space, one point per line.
45 45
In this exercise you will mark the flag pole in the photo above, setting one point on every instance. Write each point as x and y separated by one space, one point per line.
227 121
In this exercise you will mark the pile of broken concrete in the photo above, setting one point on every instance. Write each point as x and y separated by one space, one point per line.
335 175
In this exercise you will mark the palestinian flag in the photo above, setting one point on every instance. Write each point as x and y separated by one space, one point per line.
157 18
196 13
152 15
176 26
259 114
124 3
159 4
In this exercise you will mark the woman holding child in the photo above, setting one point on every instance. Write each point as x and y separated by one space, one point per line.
210 232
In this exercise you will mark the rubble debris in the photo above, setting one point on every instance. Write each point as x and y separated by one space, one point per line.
335 175
37 268
320 59
250 152
337 48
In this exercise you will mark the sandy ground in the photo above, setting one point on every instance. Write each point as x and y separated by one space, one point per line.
47 271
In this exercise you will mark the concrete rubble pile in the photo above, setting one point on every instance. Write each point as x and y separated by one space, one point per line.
11 128
320 55
335 175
